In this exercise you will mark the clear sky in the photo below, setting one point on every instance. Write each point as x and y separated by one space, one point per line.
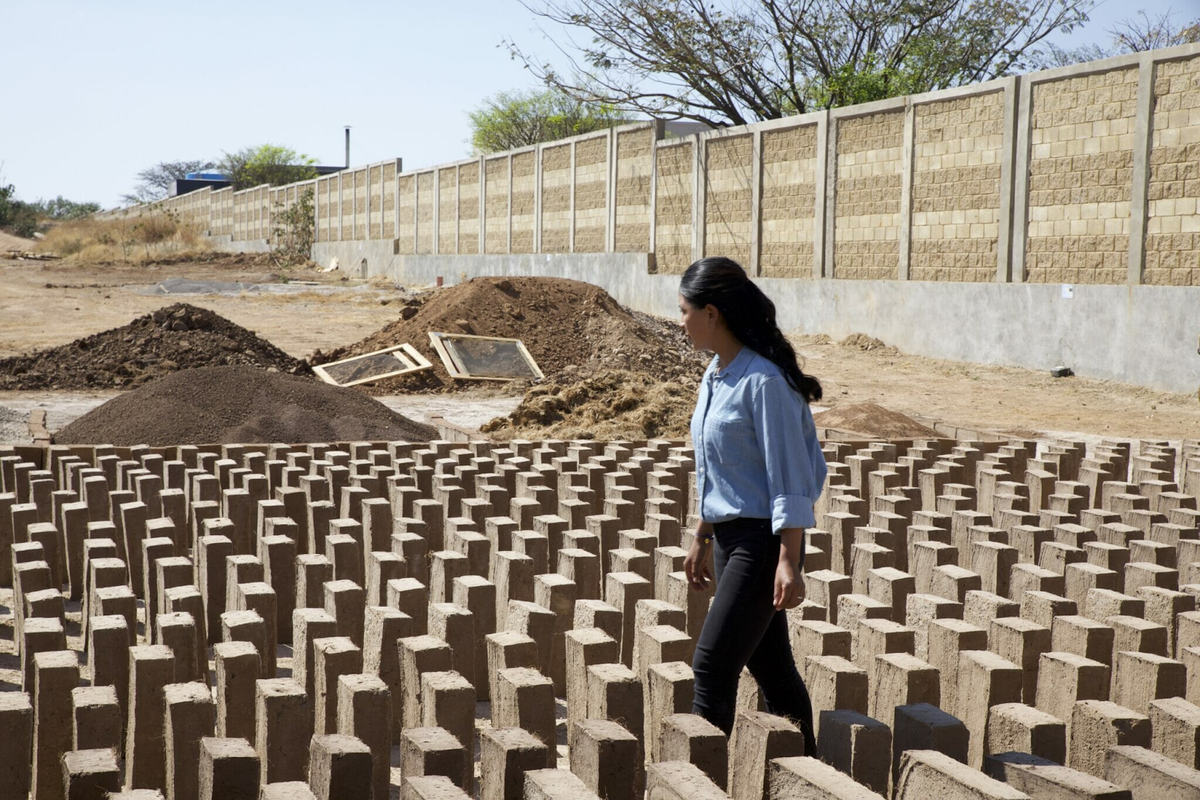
96 91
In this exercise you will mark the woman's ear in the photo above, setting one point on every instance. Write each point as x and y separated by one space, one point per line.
713 315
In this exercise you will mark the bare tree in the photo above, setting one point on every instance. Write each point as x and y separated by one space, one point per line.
1135 34
1144 32
154 183
748 60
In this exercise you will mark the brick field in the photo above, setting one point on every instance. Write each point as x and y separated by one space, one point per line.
508 620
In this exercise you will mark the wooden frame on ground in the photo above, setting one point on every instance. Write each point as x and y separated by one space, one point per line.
459 372
409 360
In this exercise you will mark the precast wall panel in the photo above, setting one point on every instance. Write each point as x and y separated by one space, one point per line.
346 204
323 203
524 200
221 220
447 211
425 184
958 146
635 168
728 197
495 204
1173 223
556 199
406 234
468 208
870 166
388 205
591 194
262 213
788 204
1080 178
673 207
361 190
375 201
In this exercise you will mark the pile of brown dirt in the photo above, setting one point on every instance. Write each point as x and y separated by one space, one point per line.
173 338
873 420
860 341
566 325
237 404
613 404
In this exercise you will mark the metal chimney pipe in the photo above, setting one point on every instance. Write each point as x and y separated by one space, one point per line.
347 147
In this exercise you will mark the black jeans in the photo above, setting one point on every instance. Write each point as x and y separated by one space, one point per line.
743 629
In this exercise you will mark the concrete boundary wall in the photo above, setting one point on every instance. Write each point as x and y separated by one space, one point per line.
1080 175
1145 335
1031 211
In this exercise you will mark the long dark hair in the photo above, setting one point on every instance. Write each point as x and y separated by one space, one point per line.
749 313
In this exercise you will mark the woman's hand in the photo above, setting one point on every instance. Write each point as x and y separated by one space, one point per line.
789 587
695 564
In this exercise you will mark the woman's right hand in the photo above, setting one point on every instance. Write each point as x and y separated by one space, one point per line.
695 564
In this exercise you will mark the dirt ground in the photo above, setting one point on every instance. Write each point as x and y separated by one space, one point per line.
45 304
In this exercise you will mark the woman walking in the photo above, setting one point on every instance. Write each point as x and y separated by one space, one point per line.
759 469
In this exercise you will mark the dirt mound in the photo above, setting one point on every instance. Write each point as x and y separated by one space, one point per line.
873 420
235 404
860 341
9 242
566 325
173 338
615 404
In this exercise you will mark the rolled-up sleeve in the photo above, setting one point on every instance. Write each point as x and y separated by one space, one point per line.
792 480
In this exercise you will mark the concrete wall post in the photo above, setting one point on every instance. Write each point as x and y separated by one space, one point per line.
906 189
653 199
819 196
756 184
699 190
508 245
537 199
1143 130
1008 150
1020 195
829 244
610 197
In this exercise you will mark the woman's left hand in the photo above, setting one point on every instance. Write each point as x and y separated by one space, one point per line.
789 587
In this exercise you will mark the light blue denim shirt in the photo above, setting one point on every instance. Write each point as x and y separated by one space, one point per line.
757 453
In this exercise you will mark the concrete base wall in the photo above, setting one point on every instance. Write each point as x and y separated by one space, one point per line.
1144 335
226 245
358 259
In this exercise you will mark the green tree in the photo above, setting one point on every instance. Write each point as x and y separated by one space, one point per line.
730 63
154 183
60 208
267 163
508 120
17 216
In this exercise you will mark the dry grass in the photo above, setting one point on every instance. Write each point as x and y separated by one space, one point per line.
122 241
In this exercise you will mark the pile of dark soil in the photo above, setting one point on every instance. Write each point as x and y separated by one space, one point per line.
571 329
236 404
613 404
873 420
173 338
